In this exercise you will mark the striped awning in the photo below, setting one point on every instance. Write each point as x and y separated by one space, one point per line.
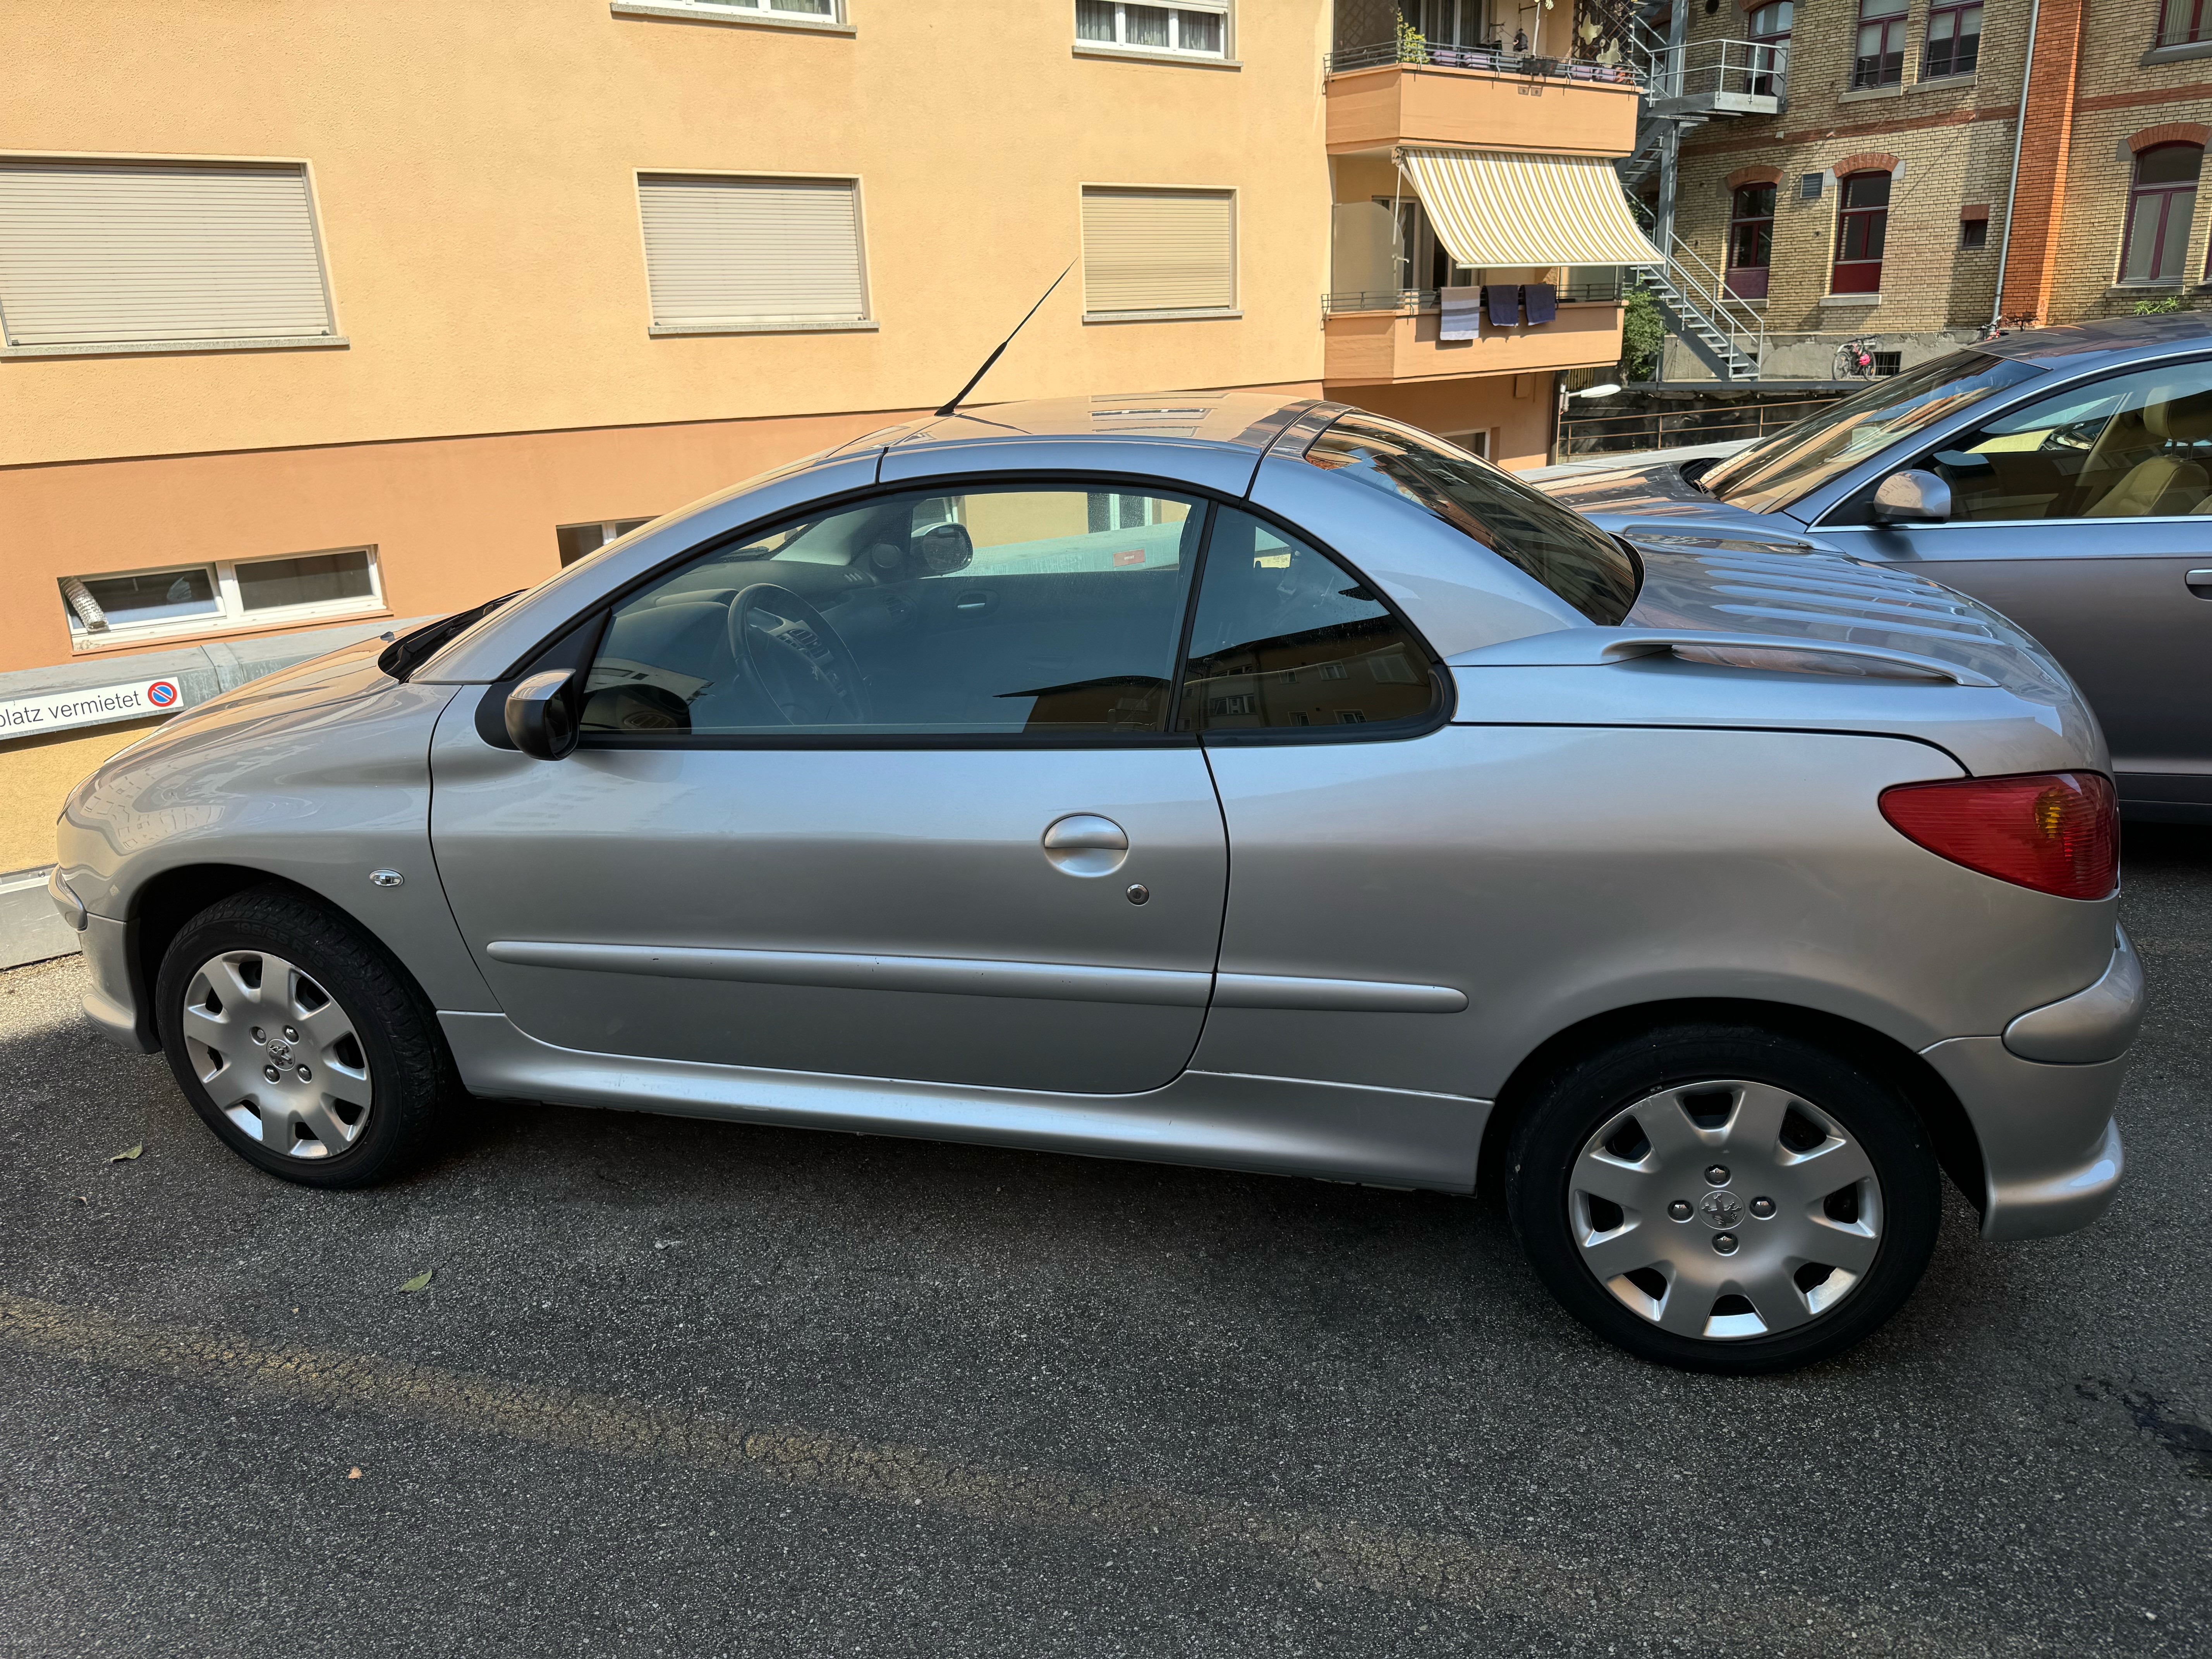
1493 210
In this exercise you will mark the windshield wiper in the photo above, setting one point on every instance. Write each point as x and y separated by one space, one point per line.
413 649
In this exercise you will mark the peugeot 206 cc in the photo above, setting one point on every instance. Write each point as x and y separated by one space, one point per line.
1224 781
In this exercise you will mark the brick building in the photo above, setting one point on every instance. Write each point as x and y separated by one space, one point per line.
1874 203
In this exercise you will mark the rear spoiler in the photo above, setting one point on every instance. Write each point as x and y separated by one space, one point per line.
1593 648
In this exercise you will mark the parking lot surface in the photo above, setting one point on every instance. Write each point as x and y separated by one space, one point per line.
691 1388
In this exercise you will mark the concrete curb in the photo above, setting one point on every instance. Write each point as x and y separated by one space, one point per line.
31 929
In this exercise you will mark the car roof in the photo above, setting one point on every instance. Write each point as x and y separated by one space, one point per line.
1238 419
2118 338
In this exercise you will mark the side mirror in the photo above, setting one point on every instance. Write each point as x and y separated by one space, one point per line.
538 718
1911 497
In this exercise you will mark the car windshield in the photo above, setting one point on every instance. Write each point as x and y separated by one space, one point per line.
1582 564
1803 457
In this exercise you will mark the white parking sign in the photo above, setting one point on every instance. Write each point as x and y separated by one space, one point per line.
55 711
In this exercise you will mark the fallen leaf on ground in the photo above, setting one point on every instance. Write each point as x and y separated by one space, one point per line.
128 1153
353 1474
421 1282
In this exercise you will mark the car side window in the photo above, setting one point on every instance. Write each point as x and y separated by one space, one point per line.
2129 447
996 612
1286 637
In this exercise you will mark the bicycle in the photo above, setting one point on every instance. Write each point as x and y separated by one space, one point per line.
1855 360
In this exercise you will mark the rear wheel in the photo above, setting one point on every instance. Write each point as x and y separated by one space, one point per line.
300 1042
1723 1198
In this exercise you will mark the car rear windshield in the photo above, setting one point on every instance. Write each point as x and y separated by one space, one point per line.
1801 458
1588 568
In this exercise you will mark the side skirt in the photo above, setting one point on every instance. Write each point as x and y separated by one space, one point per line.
1214 1120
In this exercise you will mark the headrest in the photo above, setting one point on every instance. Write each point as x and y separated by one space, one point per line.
2179 416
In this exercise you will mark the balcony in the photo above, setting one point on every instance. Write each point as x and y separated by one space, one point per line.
1474 97
1390 339
1720 77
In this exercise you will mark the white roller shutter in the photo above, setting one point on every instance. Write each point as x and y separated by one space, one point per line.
1159 250
126 251
739 251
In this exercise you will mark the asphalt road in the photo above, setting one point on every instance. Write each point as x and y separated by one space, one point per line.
691 1389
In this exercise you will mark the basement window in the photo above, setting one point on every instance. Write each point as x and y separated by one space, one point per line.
579 541
125 607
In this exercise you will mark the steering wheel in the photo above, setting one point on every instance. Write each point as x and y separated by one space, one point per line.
790 652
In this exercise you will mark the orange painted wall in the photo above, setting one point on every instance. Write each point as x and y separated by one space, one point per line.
1517 410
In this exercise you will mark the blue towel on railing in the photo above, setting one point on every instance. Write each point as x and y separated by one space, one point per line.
1462 313
1503 301
1541 301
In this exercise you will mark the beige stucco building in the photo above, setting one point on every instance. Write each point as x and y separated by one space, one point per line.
504 277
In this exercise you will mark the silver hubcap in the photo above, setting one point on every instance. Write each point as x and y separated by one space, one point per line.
1725 1210
276 1053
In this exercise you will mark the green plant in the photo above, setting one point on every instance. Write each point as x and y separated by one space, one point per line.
1643 331
2172 303
1412 45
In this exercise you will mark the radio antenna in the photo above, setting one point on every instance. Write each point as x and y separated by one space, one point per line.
961 395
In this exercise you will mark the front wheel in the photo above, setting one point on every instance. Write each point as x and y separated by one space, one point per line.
1723 1198
300 1042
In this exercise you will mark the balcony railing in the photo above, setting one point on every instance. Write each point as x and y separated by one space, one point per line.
1413 50
1590 286
1711 70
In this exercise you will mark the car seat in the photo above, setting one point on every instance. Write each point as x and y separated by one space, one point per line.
2165 484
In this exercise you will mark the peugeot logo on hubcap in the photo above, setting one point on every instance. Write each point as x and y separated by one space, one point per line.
280 1051
1721 1209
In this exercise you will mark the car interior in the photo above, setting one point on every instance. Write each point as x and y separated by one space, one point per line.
2137 446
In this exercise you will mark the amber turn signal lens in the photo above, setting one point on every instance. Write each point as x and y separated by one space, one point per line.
2058 832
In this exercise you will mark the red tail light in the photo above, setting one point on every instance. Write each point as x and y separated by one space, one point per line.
2058 832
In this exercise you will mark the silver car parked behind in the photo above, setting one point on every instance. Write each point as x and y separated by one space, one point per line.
2063 476
1256 785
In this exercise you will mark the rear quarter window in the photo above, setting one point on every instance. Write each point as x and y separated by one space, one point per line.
1588 568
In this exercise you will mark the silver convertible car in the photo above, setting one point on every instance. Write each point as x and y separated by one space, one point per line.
2063 476
1232 782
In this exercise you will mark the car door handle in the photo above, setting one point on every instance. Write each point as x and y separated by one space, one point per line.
2200 583
1085 844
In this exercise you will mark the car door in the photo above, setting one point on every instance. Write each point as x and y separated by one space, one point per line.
885 792
2086 516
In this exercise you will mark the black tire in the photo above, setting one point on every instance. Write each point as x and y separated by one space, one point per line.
407 1076
1555 1212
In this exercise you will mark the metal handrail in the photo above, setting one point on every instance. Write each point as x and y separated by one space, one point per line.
1586 435
1591 291
1422 54
1744 67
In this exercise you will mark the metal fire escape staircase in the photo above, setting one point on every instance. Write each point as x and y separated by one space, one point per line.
1688 83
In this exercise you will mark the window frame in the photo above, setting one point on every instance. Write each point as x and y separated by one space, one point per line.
866 322
1120 46
775 14
334 340
611 529
1234 310
230 615
1738 217
1845 212
1886 72
1956 11
2199 32
2165 193
575 644
1765 67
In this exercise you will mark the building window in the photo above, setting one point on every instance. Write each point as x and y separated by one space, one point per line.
2160 208
729 254
1196 31
1158 254
1751 241
1862 225
1880 58
1769 28
197 598
578 540
1973 234
2183 22
1954 41
830 11
123 255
